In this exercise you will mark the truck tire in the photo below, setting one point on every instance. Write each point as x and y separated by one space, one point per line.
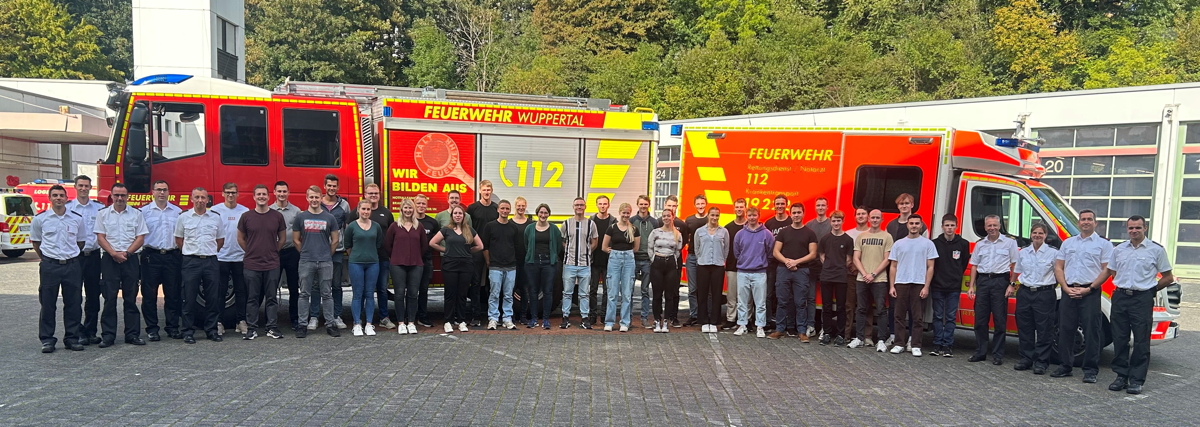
228 314
14 253
1105 341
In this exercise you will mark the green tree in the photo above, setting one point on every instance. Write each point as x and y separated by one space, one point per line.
353 41
114 19
1185 49
39 39
432 60
635 78
600 25
1130 65
1040 58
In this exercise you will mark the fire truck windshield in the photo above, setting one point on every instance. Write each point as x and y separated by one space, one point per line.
1058 208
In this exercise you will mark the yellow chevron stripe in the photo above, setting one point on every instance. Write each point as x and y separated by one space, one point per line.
608 176
720 197
701 146
711 173
622 150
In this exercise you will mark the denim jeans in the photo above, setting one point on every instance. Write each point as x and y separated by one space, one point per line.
620 287
731 296
571 275
381 295
315 274
335 287
791 289
641 269
363 277
691 282
502 287
752 285
945 309
541 281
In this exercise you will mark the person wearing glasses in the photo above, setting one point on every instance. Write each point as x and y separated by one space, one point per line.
161 264
232 255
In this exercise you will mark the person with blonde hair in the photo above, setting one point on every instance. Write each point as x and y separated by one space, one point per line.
457 243
405 244
711 244
620 240
520 220
665 244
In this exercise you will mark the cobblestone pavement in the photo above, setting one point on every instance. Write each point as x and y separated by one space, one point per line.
554 378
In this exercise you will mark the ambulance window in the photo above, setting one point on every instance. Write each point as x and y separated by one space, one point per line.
243 135
18 206
311 138
878 186
1017 214
179 132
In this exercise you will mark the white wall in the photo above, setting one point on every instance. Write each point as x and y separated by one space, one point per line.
29 161
181 36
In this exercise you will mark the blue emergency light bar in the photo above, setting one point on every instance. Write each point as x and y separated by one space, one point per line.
162 79
650 126
676 130
1008 142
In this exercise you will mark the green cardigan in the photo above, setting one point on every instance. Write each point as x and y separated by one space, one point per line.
556 243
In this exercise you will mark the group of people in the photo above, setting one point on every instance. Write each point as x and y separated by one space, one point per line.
774 268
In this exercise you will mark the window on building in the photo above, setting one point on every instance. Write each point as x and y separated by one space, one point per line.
1187 237
243 135
670 154
666 183
1191 134
179 131
1099 136
878 186
311 138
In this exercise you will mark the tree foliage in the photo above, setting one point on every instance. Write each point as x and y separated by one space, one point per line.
39 39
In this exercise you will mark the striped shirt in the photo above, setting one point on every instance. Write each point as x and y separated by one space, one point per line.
578 235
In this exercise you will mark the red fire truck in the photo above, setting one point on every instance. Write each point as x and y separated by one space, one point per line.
968 173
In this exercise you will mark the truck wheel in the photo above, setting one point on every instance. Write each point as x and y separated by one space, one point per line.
14 253
1105 341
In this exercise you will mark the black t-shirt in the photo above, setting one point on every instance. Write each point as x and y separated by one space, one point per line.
730 261
691 224
773 225
795 241
500 240
482 215
521 238
599 258
382 216
431 226
835 248
541 241
618 241
458 251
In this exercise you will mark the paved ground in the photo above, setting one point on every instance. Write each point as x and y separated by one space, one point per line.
554 378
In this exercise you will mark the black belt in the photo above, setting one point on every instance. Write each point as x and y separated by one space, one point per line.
992 274
1038 288
1079 285
201 256
88 253
162 251
1133 291
59 261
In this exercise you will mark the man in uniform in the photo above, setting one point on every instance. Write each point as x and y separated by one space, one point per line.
645 223
231 256
89 259
57 236
289 256
200 234
261 234
1036 301
1134 265
120 232
991 284
1080 261
161 264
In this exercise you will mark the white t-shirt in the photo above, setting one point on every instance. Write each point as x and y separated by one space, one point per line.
910 255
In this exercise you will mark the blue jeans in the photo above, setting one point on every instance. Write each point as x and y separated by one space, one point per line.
791 289
571 275
361 304
641 269
620 287
690 266
335 286
502 286
752 284
381 295
945 309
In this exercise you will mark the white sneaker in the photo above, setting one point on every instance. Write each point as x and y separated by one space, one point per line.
657 327
220 329
449 328
369 330
855 343
762 333
509 325
412 328
402 330
908 345
358 331
624 328
462 326
241 327
891 339
312 323
491 325
741 330
666 327
386 323
881 347
607 328
811 331
916 352
340 324
897 350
